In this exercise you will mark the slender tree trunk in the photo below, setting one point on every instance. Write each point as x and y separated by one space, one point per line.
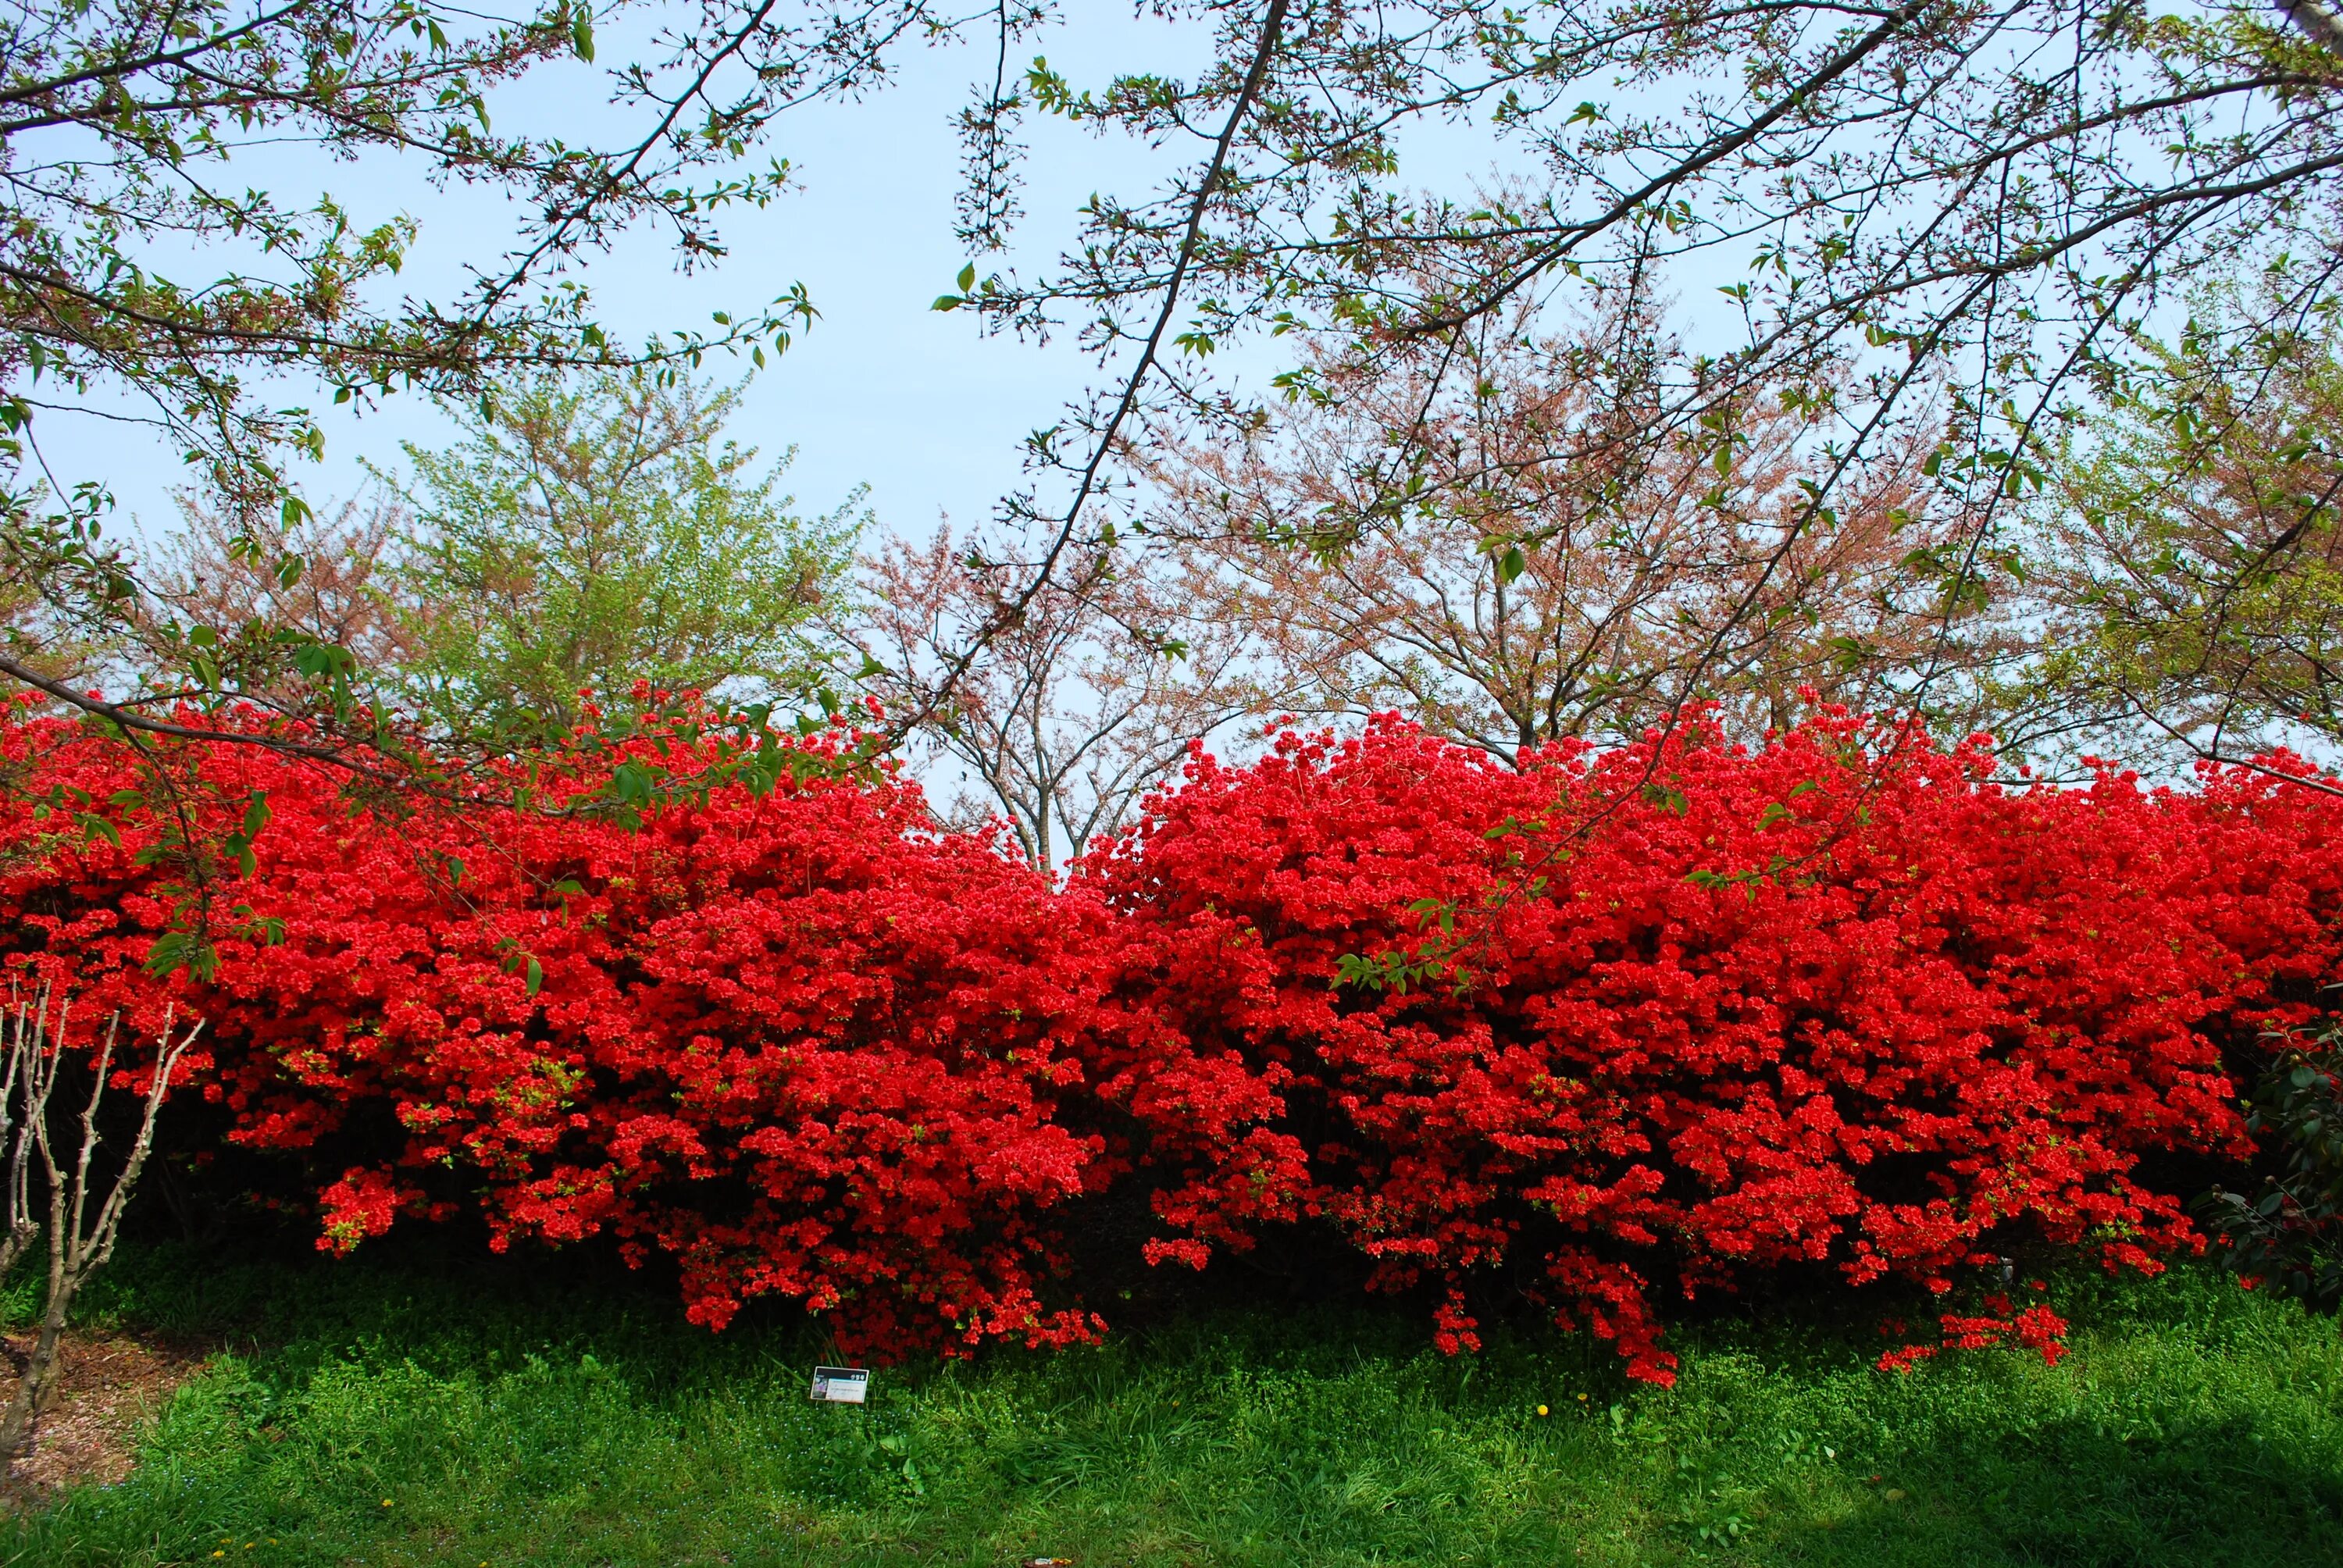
36 1385
79 1244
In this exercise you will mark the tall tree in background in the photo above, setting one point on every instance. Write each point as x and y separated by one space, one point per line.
222 570
1074 713
143 275
595 534
1933 223
2190 562
1483 537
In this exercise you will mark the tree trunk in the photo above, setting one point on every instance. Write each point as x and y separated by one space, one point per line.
37 1387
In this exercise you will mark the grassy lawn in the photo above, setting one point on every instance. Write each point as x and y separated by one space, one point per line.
382 1412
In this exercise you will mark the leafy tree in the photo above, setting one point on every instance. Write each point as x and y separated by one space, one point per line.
600 534
1069 716
1480 538
145 275
1931 221
220 568
2190 564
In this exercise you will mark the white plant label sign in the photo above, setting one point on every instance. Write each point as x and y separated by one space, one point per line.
841 1385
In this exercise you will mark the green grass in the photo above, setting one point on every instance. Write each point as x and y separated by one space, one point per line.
386 1413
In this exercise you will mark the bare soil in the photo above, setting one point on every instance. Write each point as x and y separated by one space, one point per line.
111 1386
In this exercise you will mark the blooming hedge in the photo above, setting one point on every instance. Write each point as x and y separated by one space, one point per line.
796 1038
1683 1007
1605 1026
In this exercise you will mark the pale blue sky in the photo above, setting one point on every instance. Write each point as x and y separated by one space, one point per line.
883 390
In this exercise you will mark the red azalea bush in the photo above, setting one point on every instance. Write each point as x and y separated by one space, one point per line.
1691 1009
800 1041
1668 1015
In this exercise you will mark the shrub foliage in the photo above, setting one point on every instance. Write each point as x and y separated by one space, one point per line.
1604 1029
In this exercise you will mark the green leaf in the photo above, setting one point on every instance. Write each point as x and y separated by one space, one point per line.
631 783
581 33
175 951
1665 799
535 977
967 279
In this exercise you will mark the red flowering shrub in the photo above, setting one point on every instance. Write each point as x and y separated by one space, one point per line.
1652 1020
1689 1009
2035 1327
800 1042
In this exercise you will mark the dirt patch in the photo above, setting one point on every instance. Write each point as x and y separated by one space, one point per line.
110 1387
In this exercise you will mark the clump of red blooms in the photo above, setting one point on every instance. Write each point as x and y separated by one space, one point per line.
1679 1014
2035 1328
